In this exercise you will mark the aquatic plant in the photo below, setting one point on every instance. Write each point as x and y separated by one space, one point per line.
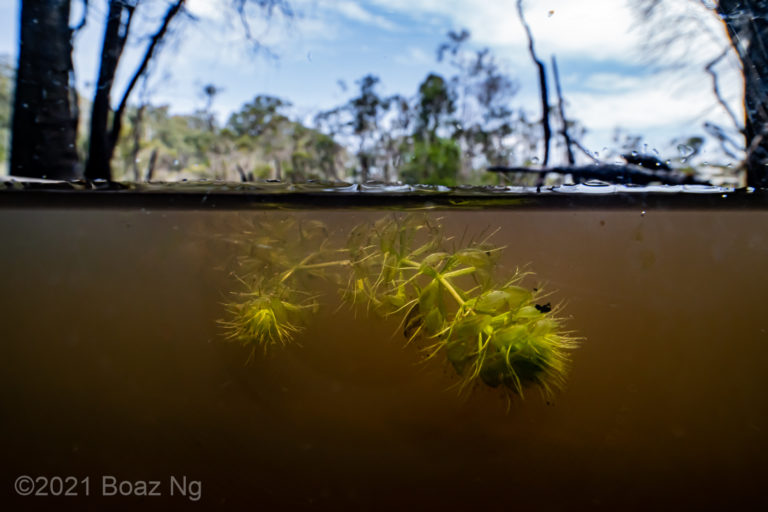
447 296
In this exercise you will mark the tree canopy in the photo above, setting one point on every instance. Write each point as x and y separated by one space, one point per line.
459 121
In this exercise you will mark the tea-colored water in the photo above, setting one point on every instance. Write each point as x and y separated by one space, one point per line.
112 363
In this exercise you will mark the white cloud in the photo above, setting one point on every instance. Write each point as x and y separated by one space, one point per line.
600 28
605 100
414 56
595 29
353 11
205 9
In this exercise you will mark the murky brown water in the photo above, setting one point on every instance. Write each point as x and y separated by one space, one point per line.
111 363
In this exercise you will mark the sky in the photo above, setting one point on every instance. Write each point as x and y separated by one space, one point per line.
609 78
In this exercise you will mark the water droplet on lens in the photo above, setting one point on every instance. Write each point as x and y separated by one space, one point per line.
685 150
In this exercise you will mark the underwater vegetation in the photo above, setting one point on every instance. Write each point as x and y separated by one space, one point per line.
447 295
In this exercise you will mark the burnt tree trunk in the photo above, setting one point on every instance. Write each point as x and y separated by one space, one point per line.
104 140
115 35
44 126
747 24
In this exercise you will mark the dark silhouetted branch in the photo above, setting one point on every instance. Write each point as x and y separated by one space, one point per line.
715 87
156 40
560 103
542 84
610 173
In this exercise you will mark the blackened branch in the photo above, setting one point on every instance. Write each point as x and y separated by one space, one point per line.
560 103
542 84
154 43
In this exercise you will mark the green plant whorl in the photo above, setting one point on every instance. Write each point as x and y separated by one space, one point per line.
266 318
495 334
448 299
504 339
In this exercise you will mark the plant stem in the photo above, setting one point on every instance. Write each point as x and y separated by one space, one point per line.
460 272
326 264
450 289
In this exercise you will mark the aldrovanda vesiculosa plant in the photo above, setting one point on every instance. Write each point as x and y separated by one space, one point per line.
448 298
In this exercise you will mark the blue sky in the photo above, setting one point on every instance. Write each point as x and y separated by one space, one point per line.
607 80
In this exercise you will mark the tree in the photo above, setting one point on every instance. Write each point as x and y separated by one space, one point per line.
435 160
482 91
6 93
436 102
366 110
45 122
45 115
103 139
746 23
262 125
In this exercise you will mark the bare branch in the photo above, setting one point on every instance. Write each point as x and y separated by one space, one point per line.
715 87
241 6
564 128
586 151
542 84
156 40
